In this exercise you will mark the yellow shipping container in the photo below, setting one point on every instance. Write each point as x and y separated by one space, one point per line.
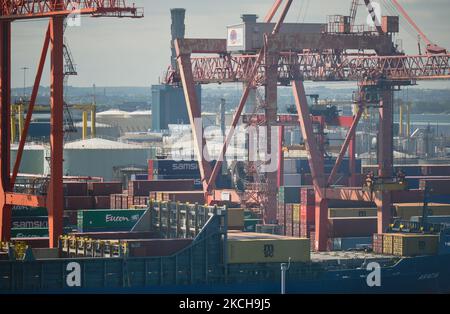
236 218
388 247
407 210
296 214
415 244
249 247
352 212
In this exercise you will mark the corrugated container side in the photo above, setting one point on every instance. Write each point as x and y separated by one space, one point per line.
78 202
352 227
104 188
377 243
268 250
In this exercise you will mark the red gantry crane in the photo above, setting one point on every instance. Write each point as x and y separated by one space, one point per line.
367 57
56 11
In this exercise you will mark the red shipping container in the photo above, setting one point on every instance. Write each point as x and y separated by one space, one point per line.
102 202
156 247
377 243
143 187
352 227
407 196
308 213
104 188
78 202
307 196
72 188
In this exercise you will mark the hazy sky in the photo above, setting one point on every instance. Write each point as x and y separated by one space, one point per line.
135 52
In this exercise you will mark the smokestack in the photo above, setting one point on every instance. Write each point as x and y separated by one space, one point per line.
249 18
177 31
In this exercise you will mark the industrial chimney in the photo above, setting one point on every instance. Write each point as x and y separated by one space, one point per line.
249 18
177 30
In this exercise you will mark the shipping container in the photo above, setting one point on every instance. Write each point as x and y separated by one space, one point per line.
143 188
75 188
78 202
407 196
289 194
29 222
433 219
352 212
246 248
308 213
27 211
155 247
415 244
352 227
388 244
307 196
250 224
296 213
390 24
108 220
436 186
350 243
407 210
235 218
102 202
181 196
33 232
104 188
377 243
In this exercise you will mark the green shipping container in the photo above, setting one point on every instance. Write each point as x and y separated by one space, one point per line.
108 220
27 211
32 232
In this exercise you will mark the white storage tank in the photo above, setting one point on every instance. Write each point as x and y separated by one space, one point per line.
103 158
33 158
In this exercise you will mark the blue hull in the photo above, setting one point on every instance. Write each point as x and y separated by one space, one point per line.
428 274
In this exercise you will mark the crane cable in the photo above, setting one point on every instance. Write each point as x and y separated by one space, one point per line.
405 26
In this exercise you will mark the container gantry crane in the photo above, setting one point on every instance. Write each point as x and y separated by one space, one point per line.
56 11
291 59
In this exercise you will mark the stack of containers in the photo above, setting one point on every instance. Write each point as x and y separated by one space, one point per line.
140 191
287 196
307 211
101 191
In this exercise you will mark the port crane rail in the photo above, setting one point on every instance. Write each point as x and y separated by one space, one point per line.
56 11
290 59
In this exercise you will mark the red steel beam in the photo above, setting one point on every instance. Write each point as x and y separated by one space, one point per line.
29 9
55 196
323 67
316 164
20 199
272 11
33 97
5 129
350 135
184 64
385 155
